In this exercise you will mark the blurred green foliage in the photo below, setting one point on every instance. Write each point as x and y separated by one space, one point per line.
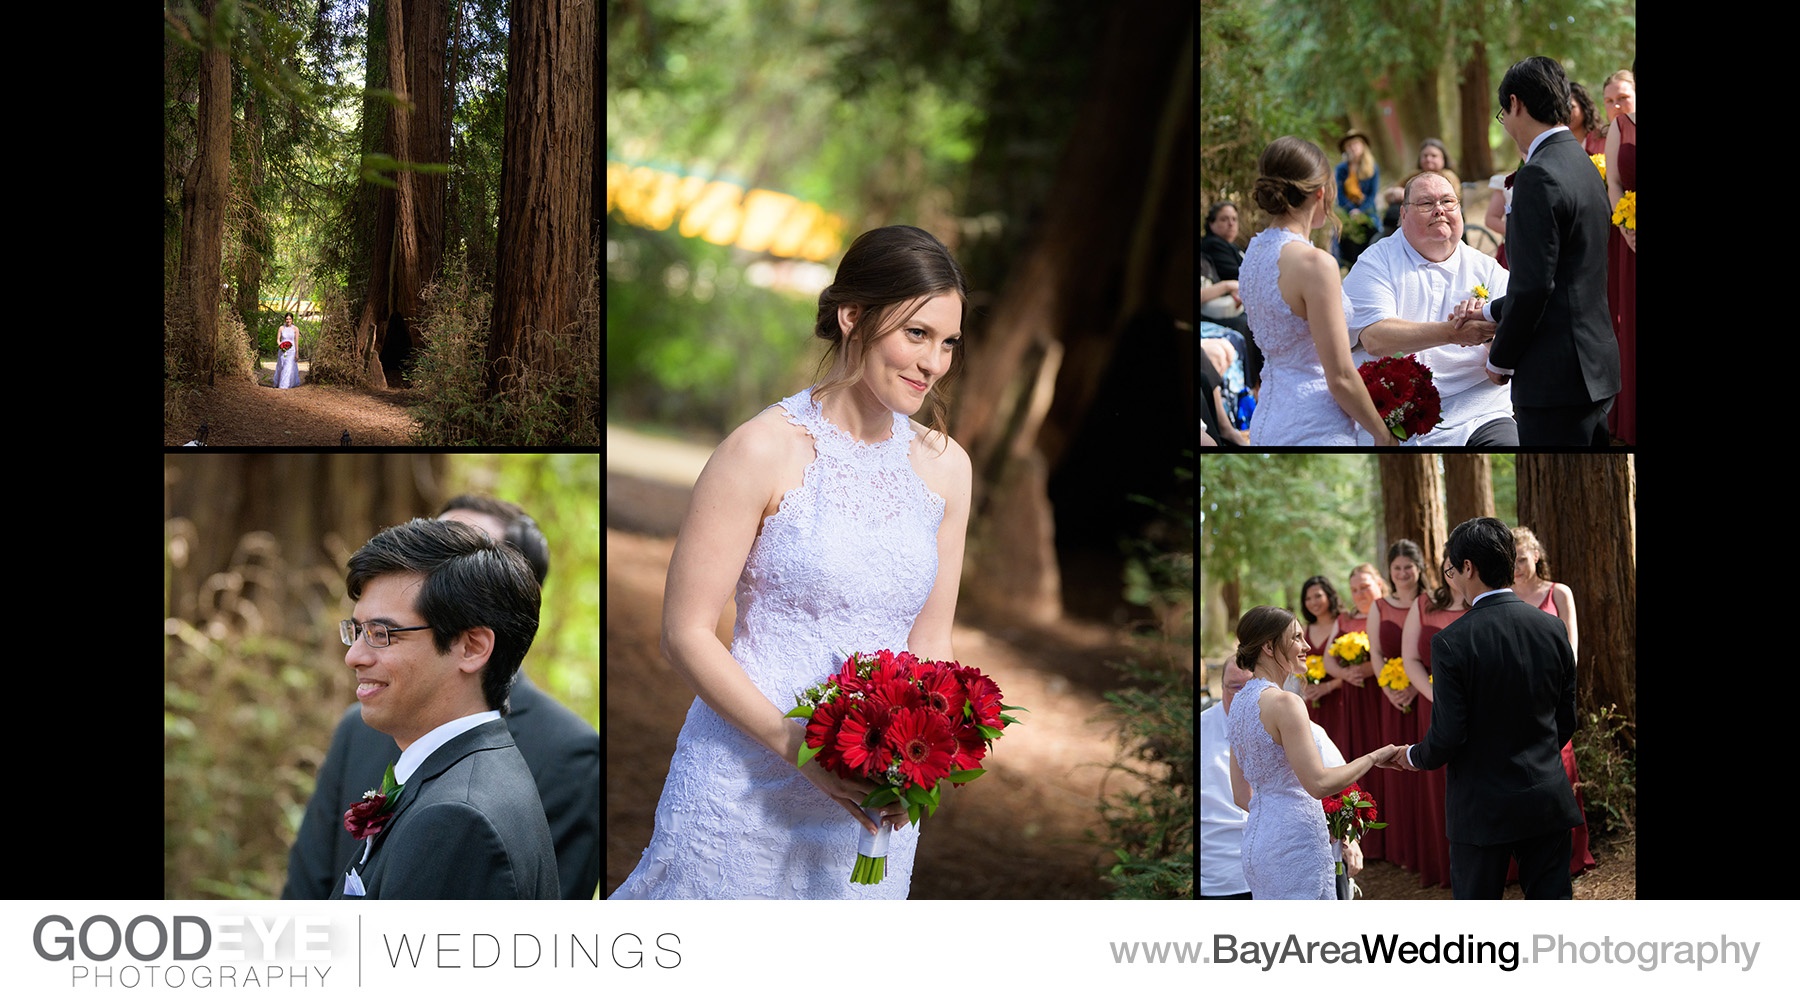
248 710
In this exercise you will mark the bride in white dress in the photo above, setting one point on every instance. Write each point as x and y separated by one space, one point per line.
1294 301
840 520
287 362
1286 846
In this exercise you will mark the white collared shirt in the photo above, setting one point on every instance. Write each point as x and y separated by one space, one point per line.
1393 280
421 748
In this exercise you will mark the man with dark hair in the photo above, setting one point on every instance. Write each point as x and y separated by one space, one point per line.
1554 341
561 749
1504 677
457 816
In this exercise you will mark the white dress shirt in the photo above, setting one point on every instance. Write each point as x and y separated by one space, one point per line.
421 748
1392 280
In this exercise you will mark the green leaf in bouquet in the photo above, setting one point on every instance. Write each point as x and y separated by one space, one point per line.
964 777
880 797
989 731
800 712
806 754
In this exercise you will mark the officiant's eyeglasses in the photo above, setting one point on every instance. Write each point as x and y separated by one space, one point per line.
375 632
1447 204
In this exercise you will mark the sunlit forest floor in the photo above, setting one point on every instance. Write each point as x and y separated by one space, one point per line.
240 412
1018 833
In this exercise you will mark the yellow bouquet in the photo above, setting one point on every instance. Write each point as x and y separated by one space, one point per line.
1351 648
1626 212
1600 163
1315 673
1315 670
1393 677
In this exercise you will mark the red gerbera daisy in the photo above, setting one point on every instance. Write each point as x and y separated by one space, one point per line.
860 738
922 741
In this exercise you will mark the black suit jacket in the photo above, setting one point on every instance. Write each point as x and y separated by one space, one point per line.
1555 328
469 826
1504 677
561 749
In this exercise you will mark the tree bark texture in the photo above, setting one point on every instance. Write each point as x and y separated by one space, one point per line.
203 197
546 185
1413 508
1468 488
1097 290
1583 509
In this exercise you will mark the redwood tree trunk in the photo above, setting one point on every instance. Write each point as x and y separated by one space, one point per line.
203 207
546 186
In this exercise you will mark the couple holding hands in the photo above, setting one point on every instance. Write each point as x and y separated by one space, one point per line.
1507 795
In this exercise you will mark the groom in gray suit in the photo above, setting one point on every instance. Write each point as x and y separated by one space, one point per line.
444 614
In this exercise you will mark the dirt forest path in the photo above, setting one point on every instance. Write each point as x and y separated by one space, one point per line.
1017 833
240 412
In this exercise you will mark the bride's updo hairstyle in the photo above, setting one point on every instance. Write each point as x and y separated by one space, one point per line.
1291 170
883 269
1259 627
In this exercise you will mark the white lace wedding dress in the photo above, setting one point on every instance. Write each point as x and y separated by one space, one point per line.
1294 405
1287 847
844 565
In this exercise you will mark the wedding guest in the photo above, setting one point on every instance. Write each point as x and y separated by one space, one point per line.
1499 204
1221 819
1428 851
1219 245
1403 293
561 749
1621 251
1433 156
1358 180
1532 584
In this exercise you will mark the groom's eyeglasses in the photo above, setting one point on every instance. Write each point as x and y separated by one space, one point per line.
375 632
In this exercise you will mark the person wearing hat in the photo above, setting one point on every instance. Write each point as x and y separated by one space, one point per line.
1357 181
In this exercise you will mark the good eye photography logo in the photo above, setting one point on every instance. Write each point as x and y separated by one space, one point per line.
187 950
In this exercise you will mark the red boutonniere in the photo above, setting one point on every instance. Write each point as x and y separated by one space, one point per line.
367 818
1509 178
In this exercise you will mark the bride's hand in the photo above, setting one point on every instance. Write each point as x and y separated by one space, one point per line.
849 794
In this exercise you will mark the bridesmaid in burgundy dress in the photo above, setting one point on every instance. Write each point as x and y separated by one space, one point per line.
1532 584
1429 614
1360 695
1320 607
1621 249
1401 806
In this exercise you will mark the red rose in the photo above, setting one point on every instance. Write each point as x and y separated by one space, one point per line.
366 818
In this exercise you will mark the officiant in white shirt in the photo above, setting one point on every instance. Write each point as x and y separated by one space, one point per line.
1403 291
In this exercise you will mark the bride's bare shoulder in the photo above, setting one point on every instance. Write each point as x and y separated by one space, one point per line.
765 442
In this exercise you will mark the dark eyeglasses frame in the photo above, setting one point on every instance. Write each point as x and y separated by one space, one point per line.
357 629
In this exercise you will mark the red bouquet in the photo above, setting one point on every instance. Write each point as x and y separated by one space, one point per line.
905 724
1403 394
1347 816
286 344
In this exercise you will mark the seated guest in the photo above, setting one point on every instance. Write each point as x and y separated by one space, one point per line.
1402 293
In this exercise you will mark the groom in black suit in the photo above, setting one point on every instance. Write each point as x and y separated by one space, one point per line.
1555 339
1504 677
444 614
